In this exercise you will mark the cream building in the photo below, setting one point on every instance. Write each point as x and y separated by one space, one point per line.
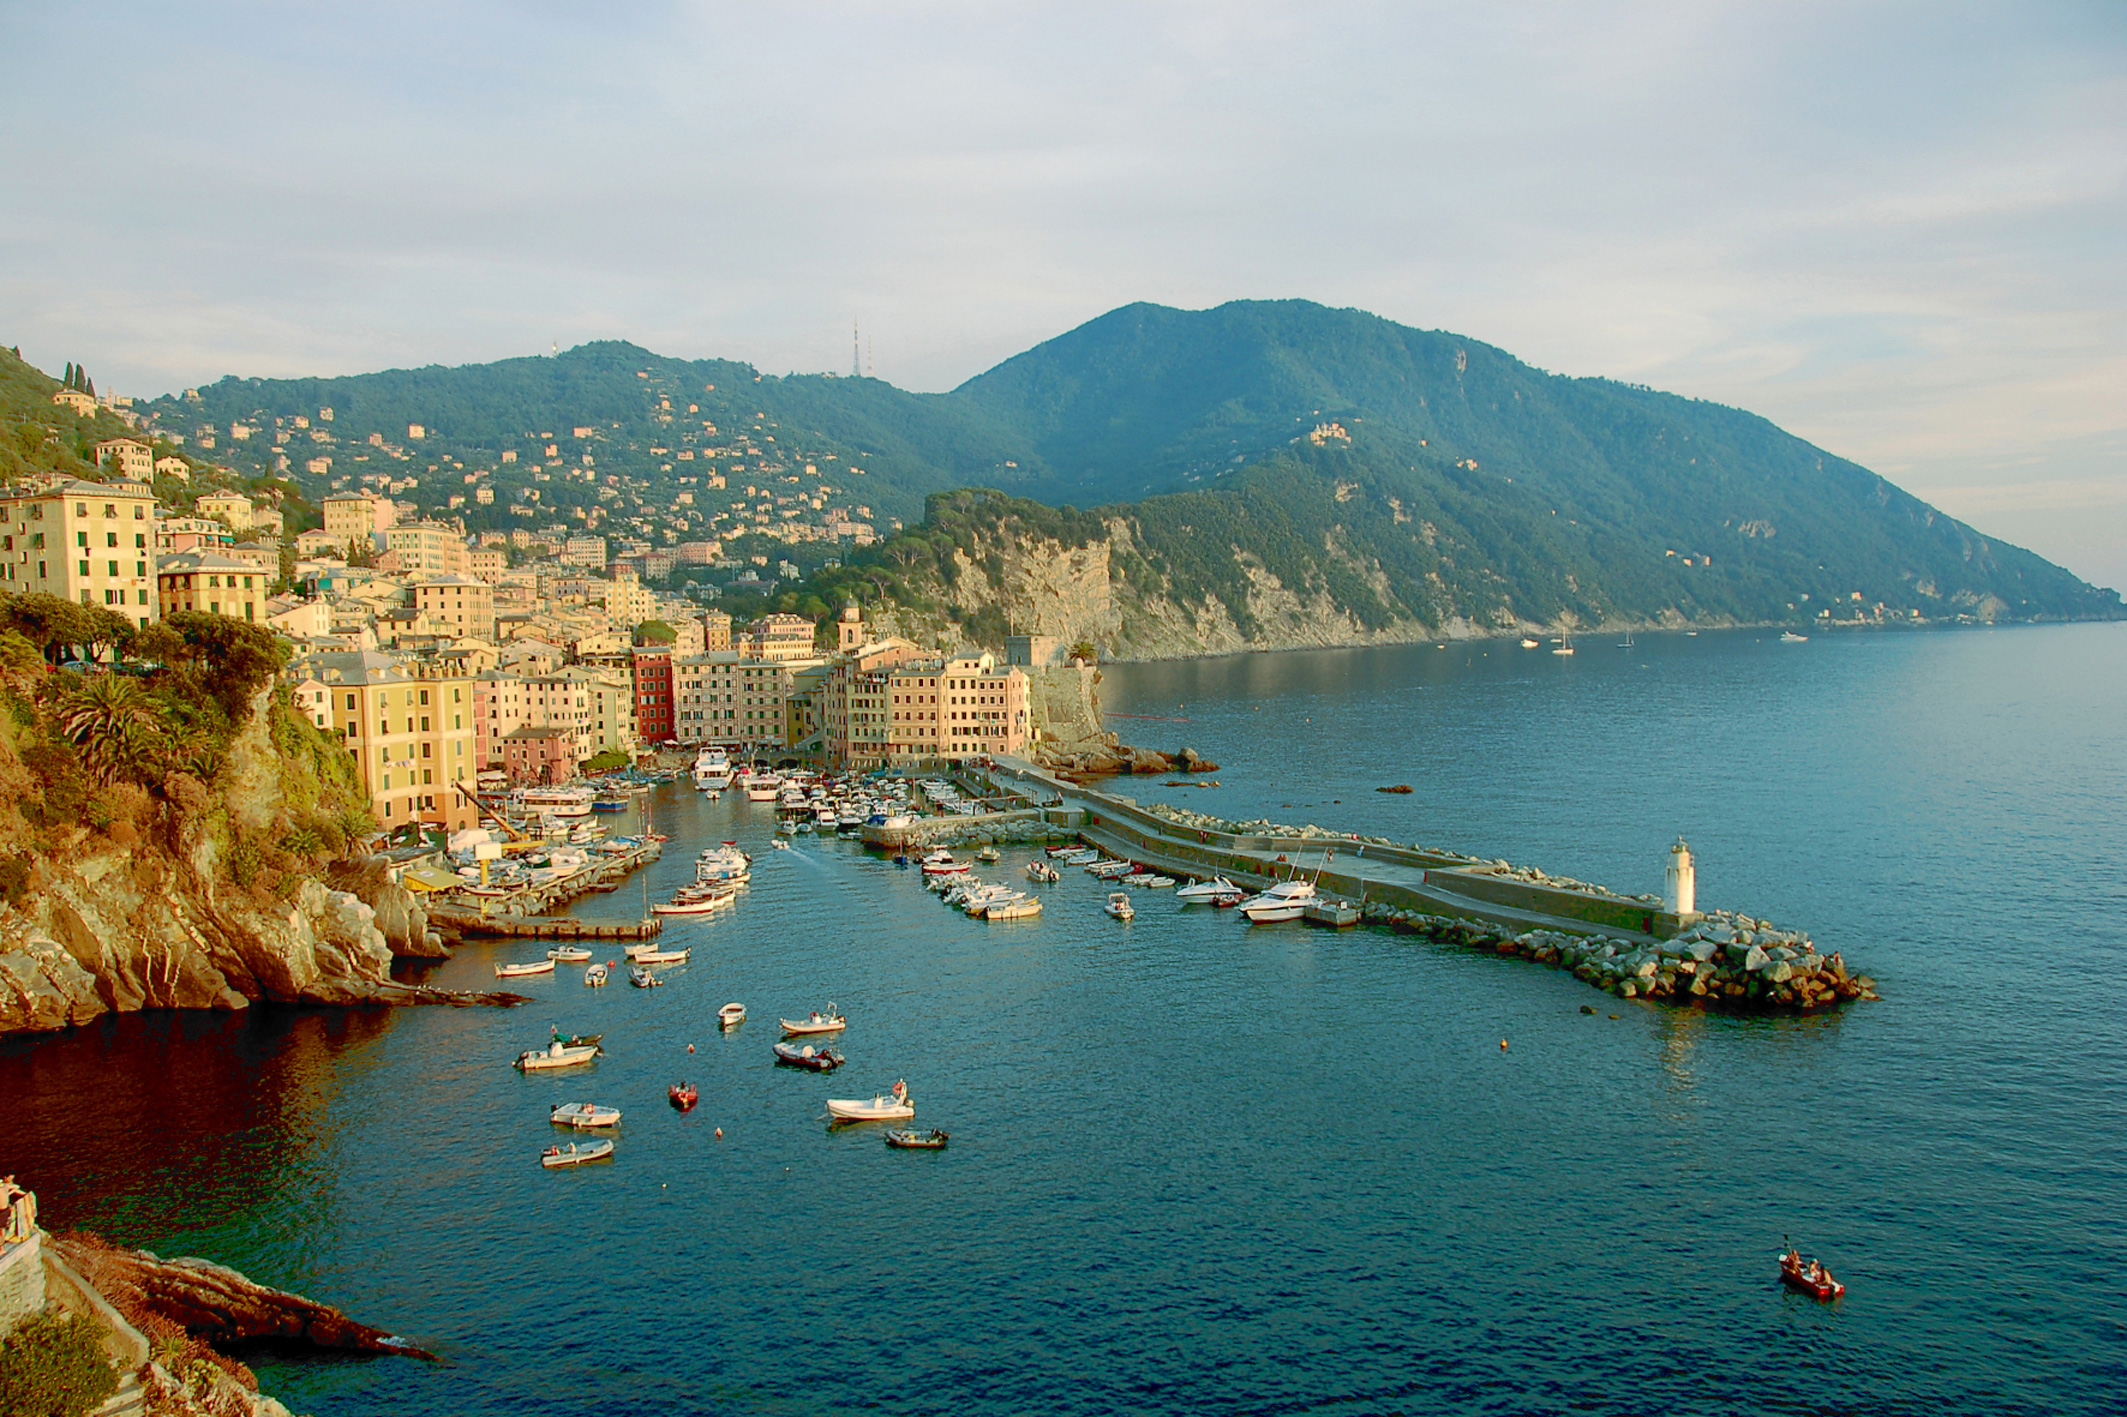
217 584
458 605
92 542
232 507
724 697
407 724
130 456
357 517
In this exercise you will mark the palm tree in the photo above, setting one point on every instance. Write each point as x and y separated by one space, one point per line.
115 726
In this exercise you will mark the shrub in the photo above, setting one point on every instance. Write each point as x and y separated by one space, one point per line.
53 1365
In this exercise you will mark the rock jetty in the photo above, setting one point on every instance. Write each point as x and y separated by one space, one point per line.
1725 961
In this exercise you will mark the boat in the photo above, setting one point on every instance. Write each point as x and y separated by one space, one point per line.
731 1015
1626 643
989 856
683 1095
896 1106
1811 1278
1287 900
779 844
817 1022
1157 883
1204 892
1019 908
1337 914
518 971
583 1114
1110 870
1565 645
941 863
1527 643
819 1060
595 976
908 1138
663 956
553 801
1120 907
712 770
569 954
555 1055
643 978
1043 872
702 905
762 789
574 1155
609 804
1789 637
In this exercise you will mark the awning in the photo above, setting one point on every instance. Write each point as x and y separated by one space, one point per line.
428 878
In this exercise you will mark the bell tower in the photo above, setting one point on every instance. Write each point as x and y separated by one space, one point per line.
849 629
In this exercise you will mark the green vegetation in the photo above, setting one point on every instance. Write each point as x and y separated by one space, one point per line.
655 632
53 1365
607 761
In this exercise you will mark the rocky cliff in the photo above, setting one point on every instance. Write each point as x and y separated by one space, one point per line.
205 892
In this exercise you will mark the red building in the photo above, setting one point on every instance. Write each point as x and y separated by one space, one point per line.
539 757
653 694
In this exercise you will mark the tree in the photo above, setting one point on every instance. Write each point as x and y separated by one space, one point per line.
112 723
285 581
52 1365
655 632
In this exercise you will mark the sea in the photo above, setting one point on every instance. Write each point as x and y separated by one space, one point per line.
1202 1167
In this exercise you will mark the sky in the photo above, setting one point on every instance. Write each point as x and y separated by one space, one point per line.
1898 230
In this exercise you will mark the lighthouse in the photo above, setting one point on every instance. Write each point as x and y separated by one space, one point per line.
1680 886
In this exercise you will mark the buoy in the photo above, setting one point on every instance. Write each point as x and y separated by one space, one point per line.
1502 1045
690 1047
719 1133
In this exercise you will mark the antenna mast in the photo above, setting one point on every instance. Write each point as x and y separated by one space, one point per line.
856 353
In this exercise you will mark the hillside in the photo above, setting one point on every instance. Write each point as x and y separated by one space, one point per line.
1398 483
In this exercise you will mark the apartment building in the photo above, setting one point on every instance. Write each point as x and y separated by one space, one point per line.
428 549
131 457
886 705
460 605
357 517
724 697
652 670
539 757
498 711
407 723
716 631
585 551
217 584
778 638
233 508
85 541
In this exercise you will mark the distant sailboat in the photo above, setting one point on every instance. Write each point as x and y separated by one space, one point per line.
1626 643
1565 644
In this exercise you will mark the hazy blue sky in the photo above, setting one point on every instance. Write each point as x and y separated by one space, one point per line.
1899 230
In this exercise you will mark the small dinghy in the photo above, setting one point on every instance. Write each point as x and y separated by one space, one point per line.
896 1106
555 1055
731 1015
581 1040
989 856
663 956
1120 907
1811 1278
583 1114
817 1022
1207 892
1043 872
643 979
1022 908
907 1137
683 1095
569 954
518 971
819 1060
595 976
574 1155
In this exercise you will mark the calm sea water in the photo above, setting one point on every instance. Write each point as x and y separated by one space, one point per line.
1199 1167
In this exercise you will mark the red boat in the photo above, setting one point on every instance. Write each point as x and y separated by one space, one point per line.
683 1096
1811 1278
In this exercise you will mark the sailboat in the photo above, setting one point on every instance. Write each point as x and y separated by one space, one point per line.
1565 643
1626 643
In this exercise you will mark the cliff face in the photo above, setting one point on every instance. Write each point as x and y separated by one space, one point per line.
1104 591
182 902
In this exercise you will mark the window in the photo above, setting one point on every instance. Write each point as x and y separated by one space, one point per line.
84 568
114 567
81 538
140 513
140 541
110 538
109 511
350 703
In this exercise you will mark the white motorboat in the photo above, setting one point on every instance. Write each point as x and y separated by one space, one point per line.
555 1055
762 789
1790 637
712 770
1157 883
1206 891
1527 643
1042 871
518 971
941 863
643 979
896 1106
731 1015
817 1022
554 801
595 976
573 1155
583 1114
699 905
663 956
1024 907
1120 907
569 954
780 844
1287 900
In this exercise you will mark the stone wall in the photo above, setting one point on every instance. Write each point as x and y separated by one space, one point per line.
21 1281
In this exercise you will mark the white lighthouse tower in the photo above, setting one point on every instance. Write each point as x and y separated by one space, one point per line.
1680 885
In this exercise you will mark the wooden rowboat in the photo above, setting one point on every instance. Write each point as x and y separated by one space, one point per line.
1811 1278
516 971
574 1155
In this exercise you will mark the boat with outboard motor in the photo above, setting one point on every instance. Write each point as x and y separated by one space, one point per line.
1811 1277
583 1114
816 1022
595 976
910 1139
896 1106
519 971
819 1060
1206 892
573 1155
683 1095
1120 907
643 978
555 1055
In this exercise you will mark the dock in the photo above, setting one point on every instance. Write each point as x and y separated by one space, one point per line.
523 913
470 925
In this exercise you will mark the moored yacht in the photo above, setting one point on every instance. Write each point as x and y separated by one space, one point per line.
1287 900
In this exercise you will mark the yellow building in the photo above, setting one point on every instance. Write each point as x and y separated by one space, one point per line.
778 638
727 698
407 723
130 456
886 706
85 541
217 584
232 507
357 517
458 605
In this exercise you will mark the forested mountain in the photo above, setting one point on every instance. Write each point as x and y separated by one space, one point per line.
1399 481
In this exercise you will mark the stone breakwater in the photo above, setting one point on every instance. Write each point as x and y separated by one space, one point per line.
1726 960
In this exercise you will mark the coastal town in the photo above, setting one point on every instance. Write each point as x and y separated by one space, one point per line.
448 660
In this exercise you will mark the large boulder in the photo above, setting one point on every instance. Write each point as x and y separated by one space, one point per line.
1757 960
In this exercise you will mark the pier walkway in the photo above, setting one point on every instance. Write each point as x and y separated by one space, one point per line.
1364 872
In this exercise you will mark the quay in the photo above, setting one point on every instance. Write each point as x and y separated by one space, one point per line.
1629 946
467 925
524 912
